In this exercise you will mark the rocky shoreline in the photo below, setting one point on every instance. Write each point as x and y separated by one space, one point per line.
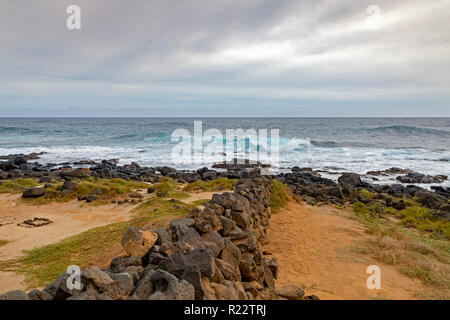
304 181
213 253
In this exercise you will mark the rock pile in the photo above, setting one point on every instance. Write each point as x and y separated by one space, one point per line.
314 189
33 223
214 253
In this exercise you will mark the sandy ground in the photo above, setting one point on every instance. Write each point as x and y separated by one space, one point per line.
200 195
68 218
312 247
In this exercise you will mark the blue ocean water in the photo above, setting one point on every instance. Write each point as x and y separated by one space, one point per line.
334 144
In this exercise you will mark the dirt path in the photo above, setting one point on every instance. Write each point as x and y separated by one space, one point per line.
312 245
200 195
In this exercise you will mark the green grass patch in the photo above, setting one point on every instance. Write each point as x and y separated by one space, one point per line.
3 242
169 188
17 185
360 208
367 194
279 198
212 185
421 219
42 265
104 189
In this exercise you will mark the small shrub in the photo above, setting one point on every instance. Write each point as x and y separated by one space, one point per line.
279 197
360 207
367 194
421 219
167 187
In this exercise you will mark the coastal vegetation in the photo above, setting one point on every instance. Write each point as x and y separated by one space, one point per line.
417 217
169 188
413 240
279 198
17 185
99 191
220 184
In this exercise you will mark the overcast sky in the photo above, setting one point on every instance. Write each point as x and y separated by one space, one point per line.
226 58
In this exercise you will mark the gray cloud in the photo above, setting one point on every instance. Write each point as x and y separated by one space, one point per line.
225 57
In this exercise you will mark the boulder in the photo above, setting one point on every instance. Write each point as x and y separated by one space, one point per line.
229 200
268 276
166 170
181 223
163 236
415 177
120 288
215 238
228 226
59 289
193 276
273 266
229 271
33 192
230 290
231 254
89 295
144 288
96 276
332 191
68 186
38 295
250 268
137 241
430 199
168 287
241 218
171 248
78 173
350 181
177 263
190 236
119 264
209 175
290 292
46 179
14 295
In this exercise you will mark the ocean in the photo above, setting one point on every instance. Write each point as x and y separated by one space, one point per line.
333 144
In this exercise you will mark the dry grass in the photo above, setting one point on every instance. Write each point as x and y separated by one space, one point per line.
3 242
415 253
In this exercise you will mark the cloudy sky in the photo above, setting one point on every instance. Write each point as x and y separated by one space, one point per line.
226 58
